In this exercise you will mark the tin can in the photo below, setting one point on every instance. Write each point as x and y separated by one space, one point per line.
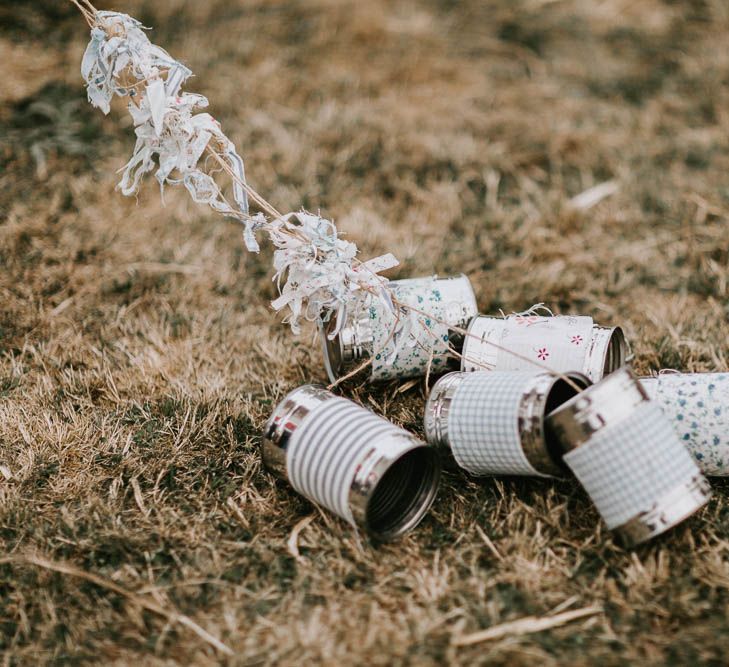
697 404
356 464
561 342
628 458
368 331
493 421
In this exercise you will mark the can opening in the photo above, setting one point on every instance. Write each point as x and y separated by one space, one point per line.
617 352
559 394
404 495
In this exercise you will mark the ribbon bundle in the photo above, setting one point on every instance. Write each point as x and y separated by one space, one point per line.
318 273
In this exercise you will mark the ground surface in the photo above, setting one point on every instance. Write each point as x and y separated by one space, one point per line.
139 358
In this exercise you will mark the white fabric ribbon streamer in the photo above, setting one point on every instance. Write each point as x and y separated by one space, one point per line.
317 272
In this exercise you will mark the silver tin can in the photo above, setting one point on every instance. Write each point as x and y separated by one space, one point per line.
697 404
345 458
367 333
626 455
493 422
561 342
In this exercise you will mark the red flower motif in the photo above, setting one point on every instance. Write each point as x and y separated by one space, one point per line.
543 353
526 320
576 339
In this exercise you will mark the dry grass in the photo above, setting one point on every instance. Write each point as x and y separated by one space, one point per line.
139 358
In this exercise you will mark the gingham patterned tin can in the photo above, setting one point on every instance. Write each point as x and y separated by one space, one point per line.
628 458
356 464
368 331
697 404
492 422
564 343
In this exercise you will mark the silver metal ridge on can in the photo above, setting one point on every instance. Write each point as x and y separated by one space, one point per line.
493 421
368 331
564 343
697 404
626 455
356 464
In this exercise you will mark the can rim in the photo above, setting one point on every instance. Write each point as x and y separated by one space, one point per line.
286 417
606 402
367 487
437 406
492 350
668 511
607 353
331 351
538 442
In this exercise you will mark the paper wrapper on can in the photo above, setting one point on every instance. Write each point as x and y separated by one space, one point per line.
563 343
408 355
493 422
626 455
697 404
354 463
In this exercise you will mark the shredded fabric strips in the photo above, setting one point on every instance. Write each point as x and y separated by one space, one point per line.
318 274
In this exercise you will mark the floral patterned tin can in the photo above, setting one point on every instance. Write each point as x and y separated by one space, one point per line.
697 404
626 455
562 343
492 422
373 332
354 463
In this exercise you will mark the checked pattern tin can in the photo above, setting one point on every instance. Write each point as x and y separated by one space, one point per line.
493 421
563 343
697 404
356 464
368 331
626 455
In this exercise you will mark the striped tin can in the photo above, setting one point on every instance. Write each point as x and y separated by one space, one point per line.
492 422
368 331
697 404
561 342
626 455
345 458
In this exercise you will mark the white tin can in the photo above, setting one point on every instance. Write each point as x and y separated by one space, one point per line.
369 330
562 343
697 404
628 458
356 464
493 421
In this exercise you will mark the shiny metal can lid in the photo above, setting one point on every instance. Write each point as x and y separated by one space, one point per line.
356 464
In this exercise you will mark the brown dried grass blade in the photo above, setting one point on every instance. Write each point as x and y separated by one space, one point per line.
525 626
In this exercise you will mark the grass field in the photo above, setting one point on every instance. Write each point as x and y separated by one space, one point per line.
139 357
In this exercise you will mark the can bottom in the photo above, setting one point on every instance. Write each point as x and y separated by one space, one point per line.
671 509
404 495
